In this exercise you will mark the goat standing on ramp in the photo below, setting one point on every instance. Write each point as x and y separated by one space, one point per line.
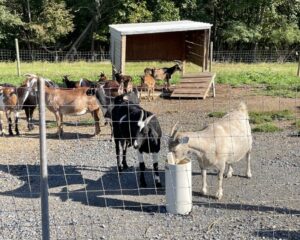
223 142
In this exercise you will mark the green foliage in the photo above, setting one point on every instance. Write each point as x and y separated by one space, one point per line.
240 32
266 127
8 21
165 10
133 12
54 22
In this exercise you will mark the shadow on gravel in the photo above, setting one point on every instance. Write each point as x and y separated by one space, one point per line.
65 136
110 190
277 234
248 207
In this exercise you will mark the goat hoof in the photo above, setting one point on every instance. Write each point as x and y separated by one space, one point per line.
119 169
125 166
219 195
11 134
203 192
17 133
158 185
249 175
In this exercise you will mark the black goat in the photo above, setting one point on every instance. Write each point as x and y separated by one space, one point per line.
165 73
125 79
134 126
87 83
69 83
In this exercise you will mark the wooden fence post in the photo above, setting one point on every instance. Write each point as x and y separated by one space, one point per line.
18 57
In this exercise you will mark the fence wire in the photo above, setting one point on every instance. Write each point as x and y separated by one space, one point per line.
244 56
90 199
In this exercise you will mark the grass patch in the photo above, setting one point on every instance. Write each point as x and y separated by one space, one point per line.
51 124
265 117
297 125
266 127
272 78
217 114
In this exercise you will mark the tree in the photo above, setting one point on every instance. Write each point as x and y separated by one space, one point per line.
54 21
8 22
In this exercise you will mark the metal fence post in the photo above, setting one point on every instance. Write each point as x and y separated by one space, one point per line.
43 162
18 56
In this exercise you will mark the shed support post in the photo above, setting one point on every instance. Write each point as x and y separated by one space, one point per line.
123 54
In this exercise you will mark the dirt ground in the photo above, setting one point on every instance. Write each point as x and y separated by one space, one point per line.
90 200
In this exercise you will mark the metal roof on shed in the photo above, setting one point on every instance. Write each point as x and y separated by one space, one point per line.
158 27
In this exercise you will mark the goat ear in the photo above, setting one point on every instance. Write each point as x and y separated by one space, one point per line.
184 140
121 88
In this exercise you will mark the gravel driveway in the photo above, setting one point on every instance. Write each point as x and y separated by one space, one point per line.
90 200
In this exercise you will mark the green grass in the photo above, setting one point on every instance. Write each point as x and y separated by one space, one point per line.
264 121
266 127
217 114
272 78
264 117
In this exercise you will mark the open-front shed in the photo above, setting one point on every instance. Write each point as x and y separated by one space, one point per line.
162 41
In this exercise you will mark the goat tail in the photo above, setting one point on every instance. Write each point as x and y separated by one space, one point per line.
243 107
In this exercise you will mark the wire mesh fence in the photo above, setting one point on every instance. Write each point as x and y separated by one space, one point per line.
245 56
90 199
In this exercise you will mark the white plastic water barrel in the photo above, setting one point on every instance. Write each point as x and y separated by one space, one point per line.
179 187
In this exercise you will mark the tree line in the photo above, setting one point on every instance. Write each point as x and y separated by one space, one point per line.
69 25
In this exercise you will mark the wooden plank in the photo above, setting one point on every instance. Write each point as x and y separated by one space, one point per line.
200 91
202 74
209 86
195 87
191 85
195 80
193 43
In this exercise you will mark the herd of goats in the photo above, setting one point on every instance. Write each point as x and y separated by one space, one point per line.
221 143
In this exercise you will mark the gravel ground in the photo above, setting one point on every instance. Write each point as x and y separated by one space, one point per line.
90 200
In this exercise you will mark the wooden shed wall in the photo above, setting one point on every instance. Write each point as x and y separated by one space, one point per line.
196 47
115 49
158 46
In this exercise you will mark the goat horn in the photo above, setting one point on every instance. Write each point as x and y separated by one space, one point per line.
142 115
30 75
174 130
147 120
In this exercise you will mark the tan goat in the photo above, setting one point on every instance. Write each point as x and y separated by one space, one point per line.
222 142
9 104
148 81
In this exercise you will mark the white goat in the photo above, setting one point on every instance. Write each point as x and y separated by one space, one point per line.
225 141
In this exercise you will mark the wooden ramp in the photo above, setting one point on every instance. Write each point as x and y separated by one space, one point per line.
195 85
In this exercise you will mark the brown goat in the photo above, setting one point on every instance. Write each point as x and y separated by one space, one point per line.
69 102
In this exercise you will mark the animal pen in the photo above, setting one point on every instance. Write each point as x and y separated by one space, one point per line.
89 198
187 41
